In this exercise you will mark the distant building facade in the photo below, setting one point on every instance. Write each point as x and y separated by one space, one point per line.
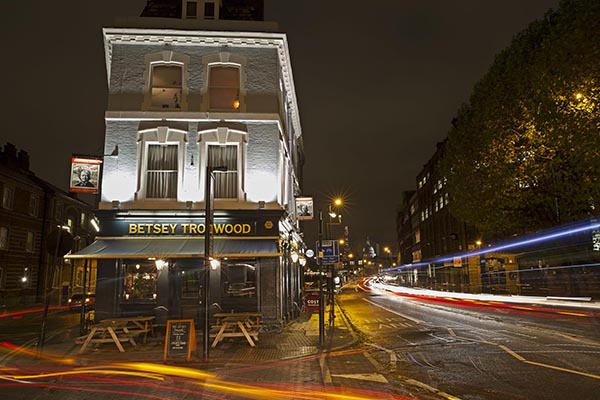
194 100
427 230
31 210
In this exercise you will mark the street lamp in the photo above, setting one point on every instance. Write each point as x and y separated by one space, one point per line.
208 261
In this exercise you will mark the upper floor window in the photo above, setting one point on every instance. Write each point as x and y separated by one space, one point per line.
58 210
209 10
8 196
166 85
226 182
224 87
29 245
191 9
3 237
166 76
162 171
34 205
161 162
224 147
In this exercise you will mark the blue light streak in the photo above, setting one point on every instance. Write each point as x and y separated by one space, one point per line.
538 238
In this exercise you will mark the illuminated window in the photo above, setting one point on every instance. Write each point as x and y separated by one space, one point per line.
140 277
166 86
162 171
8 195
161 162
29 245
224 87
226 182
165 76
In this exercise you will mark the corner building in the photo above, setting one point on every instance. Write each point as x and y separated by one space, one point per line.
193 97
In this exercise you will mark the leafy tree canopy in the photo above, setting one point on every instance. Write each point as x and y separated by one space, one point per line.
524 153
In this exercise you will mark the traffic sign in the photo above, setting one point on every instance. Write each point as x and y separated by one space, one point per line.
330 252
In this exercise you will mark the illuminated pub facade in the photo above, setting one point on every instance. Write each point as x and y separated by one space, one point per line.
190 99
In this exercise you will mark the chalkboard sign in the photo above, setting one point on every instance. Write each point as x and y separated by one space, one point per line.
180 339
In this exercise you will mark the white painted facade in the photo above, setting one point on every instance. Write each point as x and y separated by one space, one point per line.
264 129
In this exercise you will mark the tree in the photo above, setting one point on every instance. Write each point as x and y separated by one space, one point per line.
524 153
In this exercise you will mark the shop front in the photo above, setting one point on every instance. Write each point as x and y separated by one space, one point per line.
154 264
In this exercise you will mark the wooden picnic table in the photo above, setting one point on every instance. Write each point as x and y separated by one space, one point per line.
245 325
140 325
117 330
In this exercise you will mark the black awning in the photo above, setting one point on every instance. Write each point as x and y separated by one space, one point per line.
178 248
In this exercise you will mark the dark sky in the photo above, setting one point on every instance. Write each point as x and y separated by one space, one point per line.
378 83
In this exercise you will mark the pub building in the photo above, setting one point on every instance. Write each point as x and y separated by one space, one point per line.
199 91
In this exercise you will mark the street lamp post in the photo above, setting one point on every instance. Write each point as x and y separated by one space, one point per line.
208 219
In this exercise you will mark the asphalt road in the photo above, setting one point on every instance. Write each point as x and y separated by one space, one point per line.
462 350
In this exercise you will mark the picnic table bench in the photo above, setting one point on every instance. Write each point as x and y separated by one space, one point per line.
117 330
245 325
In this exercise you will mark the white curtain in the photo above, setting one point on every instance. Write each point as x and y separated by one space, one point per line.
161 176
226 183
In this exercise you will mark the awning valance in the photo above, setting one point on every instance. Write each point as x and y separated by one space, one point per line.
177 248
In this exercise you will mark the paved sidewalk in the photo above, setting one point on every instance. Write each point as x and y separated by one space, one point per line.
298 339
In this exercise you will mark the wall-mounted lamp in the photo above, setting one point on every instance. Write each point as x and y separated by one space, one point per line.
115 204
188 205
95 224
261 205
160 264
302 261
114 153
214 263
294 256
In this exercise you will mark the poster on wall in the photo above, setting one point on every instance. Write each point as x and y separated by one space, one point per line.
85 174
304 208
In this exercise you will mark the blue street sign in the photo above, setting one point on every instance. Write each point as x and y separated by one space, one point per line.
330 252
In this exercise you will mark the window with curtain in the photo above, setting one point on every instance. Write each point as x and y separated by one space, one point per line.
166 86
161 172
223 88
226 183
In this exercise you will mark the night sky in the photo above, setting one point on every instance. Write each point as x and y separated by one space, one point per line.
378 83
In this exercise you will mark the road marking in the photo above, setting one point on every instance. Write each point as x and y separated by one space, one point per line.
578 340
441 338
325 374
512 353
364 377
415 320
391 353
523 359
431 389
563 369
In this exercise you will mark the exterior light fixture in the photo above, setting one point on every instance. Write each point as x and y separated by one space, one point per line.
236 104
160 264
302 261
294 256
214 263
95 224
